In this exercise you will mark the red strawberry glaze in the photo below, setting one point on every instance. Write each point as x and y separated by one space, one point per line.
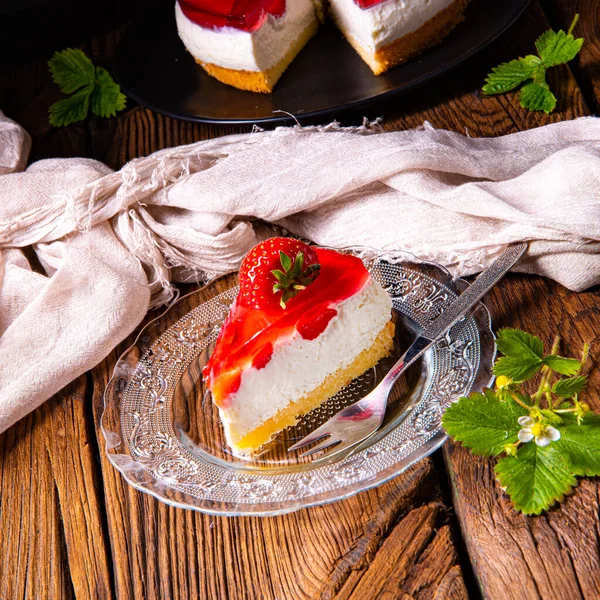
314 323
367 3
247 15
248 335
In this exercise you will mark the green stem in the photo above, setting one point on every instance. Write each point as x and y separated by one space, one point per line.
575 19
546 376
518 400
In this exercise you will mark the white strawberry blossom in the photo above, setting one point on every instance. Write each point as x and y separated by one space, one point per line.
543 434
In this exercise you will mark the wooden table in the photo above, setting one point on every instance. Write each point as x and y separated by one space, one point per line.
71 527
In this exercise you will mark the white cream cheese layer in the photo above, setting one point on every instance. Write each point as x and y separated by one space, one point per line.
243 50
298 366
380 25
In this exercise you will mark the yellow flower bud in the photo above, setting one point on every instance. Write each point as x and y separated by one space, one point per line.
502 381
510 449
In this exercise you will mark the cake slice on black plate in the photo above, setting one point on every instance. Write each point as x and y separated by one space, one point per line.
386 33
247 44
306 322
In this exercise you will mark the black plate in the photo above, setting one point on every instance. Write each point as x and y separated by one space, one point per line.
155 70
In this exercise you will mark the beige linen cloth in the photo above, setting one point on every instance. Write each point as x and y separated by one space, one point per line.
110 243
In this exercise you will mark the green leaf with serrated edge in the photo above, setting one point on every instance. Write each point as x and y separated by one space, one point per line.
106 98
535 96
562 365
71 70
70 110
286 261
536 477
568 388
519 344
482 423
516 368
507 76
581 443
557 47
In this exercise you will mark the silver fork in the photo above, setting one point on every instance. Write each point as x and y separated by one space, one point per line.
362 419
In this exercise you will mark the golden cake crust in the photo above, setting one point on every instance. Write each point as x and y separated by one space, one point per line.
403 49
289 416
260 81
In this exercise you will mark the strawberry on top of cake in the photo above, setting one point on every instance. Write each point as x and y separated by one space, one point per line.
305 323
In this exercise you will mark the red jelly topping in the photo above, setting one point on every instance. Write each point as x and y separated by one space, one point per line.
367 3
247 15
261 360
248 335
314 323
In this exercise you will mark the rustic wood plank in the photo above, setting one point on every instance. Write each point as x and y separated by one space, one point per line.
51 513
71 448
586 67
33 545
556 555
412 556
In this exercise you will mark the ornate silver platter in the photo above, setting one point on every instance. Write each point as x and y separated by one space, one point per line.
163 432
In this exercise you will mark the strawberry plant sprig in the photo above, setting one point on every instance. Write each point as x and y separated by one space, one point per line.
90 88
546 438
554 48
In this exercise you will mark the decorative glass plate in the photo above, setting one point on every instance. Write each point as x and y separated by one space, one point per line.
163 432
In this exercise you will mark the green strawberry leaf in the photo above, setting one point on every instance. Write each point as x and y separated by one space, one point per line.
568 388
74 73
519 344
536 477
106 98
581 443
557 47
483 423
70 110
517 369
509 75
71 70
554 48
564 366
536 96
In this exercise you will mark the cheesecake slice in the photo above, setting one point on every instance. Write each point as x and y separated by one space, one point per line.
386 33
247 44
303 326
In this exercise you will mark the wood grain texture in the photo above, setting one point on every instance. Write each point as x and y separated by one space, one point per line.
51 514
556 555
73 529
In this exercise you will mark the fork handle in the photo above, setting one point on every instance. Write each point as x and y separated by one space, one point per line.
406 360
456 311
